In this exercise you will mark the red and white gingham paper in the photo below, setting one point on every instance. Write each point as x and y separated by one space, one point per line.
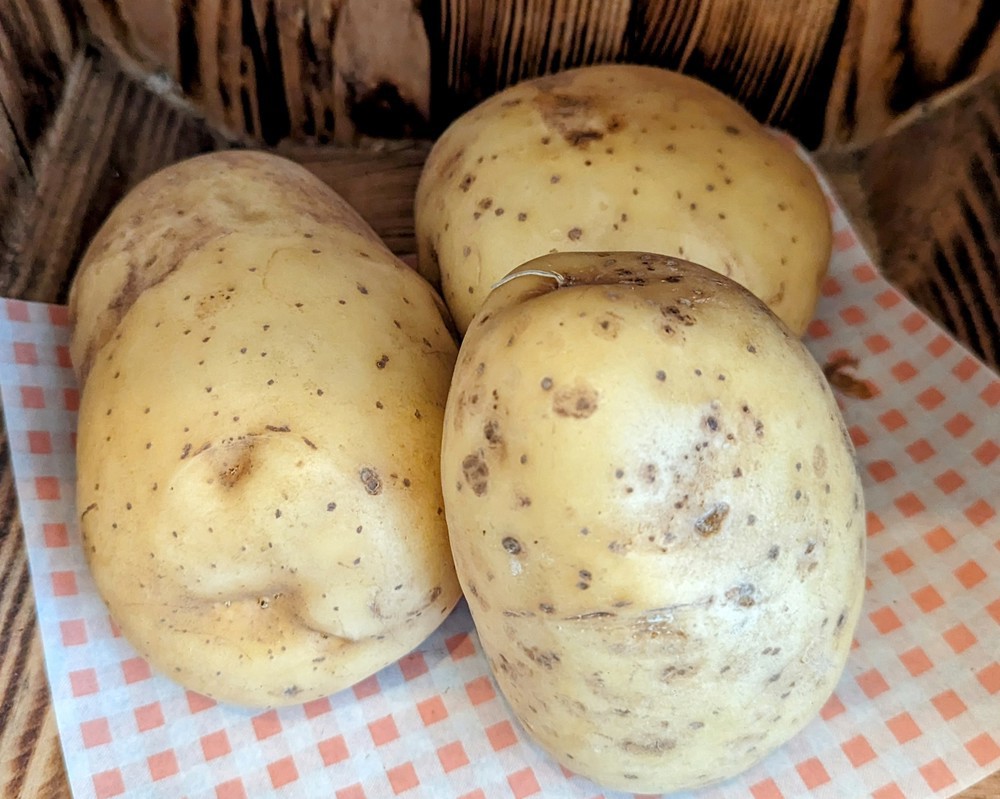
917 712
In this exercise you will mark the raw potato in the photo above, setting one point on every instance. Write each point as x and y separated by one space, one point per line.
259 433
624 158
655 515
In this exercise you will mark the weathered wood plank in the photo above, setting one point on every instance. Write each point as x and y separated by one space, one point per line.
831 72
935 189
38 39
110 132
270 70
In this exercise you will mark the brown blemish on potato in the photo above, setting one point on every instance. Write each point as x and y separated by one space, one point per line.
449 165
574 234
655 746
547 660
743 595
371 480
819 461
778 296
238 462
491 432
710 522
578 402
476 472
466 183
511 545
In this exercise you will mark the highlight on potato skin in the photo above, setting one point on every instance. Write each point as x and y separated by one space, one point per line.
620 157
259 433
655 515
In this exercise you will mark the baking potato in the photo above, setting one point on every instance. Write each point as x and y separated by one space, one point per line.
259 433
655 514
620 157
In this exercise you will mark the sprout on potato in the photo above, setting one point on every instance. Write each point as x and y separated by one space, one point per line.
655 515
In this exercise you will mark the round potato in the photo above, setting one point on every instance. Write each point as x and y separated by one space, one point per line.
259 435
655 514
620 157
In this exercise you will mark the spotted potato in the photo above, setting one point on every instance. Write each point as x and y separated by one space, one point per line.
620 157
655 514
259 433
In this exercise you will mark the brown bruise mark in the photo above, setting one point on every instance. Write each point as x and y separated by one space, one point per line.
710 522
476 473
370 478
578 402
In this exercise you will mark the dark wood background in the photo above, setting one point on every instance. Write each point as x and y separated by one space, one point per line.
898 99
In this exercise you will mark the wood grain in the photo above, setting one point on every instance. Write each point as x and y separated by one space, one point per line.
110 131
940 240
270 70
831 72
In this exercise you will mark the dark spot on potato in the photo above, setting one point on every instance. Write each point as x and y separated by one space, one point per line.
381 362
331 506
511 545
732 130
578 402
819 460
712 423
772 553
476 473
546 608
491 432
370 478
710 522
655 746
522 216
661 375
743 595
466 183
574 234
485 204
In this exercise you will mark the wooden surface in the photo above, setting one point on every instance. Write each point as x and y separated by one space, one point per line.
830 71
108 132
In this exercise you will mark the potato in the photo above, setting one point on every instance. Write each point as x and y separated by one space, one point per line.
625 158
259 433
655 514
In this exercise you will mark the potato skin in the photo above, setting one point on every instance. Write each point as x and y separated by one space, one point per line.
184 208
620 157
655 515
258 452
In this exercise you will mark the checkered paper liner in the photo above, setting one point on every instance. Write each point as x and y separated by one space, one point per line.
917 712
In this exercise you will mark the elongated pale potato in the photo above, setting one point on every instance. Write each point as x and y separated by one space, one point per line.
259 433
655 515
620 157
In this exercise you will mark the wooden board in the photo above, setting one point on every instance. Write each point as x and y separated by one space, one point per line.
831 72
